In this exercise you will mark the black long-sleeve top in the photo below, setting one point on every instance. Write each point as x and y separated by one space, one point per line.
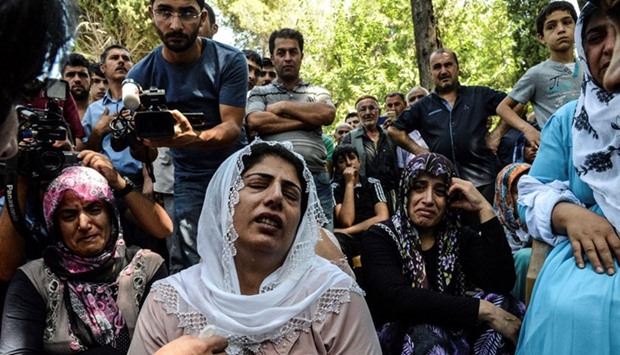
484 256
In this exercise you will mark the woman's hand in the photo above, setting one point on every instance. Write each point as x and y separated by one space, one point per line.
470 199
192 345
499 320
104 166
588 233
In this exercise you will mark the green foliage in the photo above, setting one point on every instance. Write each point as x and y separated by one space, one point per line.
479 32
124 22
522 15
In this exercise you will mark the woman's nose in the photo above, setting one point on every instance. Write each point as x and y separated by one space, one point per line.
84 221
274 195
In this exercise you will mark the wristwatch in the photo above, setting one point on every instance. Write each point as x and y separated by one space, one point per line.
129 187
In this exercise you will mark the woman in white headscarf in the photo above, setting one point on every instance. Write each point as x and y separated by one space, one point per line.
259 283
571 200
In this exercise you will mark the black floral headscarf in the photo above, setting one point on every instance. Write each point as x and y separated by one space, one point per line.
407 236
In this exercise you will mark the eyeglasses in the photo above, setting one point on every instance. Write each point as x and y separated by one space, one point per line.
368 108
184 16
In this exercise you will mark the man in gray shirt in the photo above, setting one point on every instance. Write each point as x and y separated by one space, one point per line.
290 109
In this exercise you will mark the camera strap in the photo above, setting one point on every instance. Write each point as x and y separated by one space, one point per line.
12 200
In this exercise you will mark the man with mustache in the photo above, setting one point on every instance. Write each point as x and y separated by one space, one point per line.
200 76
75 71
452 120
290 109
115 63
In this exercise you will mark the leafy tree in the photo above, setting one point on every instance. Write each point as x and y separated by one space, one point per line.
479 32
124 22
522 15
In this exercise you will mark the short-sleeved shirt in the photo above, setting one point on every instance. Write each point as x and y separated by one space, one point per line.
122 161
368 192
457 132
548 86
307 143
218 77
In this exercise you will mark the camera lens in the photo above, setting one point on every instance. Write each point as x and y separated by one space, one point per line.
51 162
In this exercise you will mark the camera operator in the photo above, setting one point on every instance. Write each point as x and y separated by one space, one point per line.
35 96
32 32
115 63
199 75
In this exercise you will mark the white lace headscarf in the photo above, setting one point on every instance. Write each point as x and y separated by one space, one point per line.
303 290
596 134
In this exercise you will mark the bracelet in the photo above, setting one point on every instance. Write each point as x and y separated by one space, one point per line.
129 187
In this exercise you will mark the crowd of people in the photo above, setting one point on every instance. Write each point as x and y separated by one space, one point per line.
247 228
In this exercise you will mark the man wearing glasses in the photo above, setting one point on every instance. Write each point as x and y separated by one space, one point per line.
375 148
199 76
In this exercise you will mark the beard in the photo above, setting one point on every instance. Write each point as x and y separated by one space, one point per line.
450 86
80 94
172 40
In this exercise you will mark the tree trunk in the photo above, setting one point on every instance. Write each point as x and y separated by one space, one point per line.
426 38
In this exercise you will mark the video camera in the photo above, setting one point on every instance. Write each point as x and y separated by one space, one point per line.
152 119
38 130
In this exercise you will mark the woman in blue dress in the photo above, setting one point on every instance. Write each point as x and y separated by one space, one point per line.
571 200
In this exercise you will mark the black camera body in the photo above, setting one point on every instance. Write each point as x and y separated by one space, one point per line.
39 129
154 121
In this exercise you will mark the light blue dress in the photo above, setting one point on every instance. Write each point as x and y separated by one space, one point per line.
573 311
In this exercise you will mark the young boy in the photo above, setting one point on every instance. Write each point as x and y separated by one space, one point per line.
359 201
552 83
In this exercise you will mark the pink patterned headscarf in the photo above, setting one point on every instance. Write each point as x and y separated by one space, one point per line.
91 282
87 183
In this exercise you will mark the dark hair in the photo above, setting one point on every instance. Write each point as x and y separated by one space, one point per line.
551 8
287 33
395 93
75 60
96 70
201 4
266 62
253 56
210 12
107 49
364 97
262 149
446 50
32 33
342 150
350 114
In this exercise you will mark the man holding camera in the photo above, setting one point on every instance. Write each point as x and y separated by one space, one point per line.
115 64
202 77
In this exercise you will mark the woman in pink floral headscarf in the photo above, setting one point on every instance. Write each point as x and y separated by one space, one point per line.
86 291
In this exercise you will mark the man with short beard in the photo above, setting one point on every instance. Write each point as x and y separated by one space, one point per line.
75 71
199 76
453 122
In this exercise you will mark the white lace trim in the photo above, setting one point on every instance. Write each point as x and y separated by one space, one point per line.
193 322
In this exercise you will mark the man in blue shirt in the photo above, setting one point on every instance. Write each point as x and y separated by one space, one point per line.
199 76
115 63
